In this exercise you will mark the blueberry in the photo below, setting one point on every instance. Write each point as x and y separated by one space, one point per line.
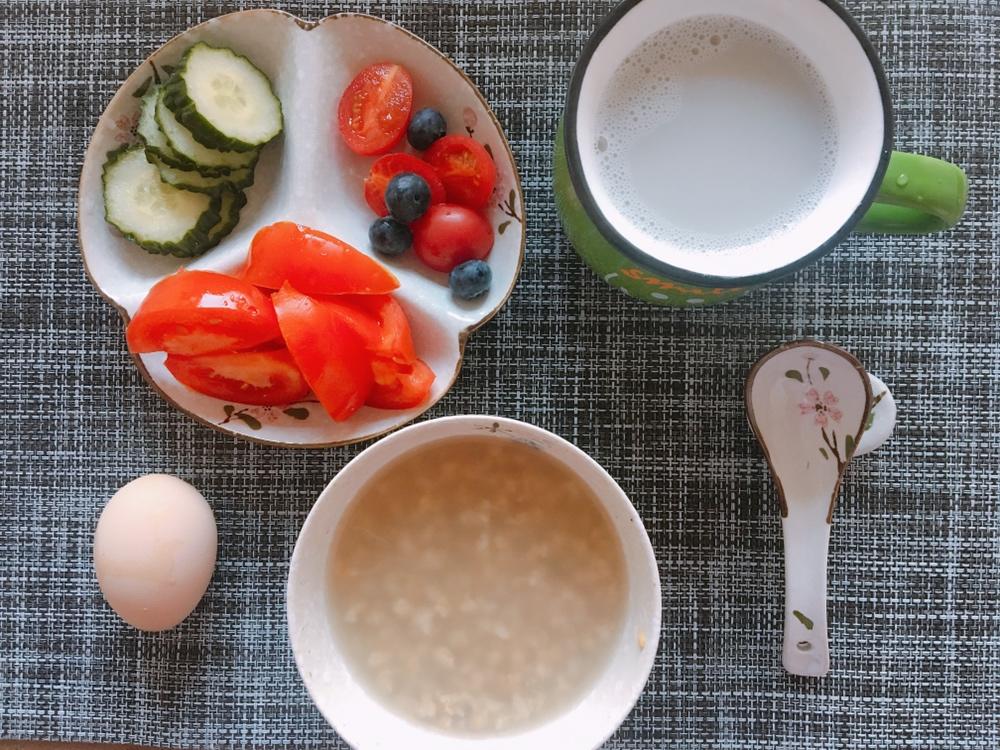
389 237
408 197
471 279
426 127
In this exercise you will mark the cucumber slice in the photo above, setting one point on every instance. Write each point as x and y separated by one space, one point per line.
158 217
152 136
223 99
233 202
209 161
189 179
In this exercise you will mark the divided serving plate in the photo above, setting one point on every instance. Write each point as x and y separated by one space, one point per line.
309 176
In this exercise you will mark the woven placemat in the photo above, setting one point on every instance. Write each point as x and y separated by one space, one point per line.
654 395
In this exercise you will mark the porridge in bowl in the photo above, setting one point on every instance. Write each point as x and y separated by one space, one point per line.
477 586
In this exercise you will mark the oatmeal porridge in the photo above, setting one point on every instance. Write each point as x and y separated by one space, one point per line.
477 586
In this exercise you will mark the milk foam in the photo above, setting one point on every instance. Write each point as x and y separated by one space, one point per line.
715 134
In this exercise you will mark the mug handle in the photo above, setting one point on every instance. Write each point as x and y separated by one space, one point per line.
919 195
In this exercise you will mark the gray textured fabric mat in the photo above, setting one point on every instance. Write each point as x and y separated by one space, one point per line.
654 395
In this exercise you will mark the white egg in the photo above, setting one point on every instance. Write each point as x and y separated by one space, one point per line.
154 551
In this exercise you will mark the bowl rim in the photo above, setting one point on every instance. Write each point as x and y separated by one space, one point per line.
494 425
463 335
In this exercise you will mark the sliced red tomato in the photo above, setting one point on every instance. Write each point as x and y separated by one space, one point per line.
262 378
387 373
200 312
466 169
375 108
327 351
448 235
395 340
313 262
365 327
400 386
391 165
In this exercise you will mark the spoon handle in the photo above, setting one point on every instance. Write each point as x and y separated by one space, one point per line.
806 650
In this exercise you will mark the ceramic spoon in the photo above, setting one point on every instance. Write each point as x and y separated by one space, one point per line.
808 405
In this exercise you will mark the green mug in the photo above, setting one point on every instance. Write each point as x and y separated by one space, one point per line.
868 187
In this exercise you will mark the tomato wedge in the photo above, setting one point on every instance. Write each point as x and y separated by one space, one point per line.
313 263
329 354
200 312
365 327
375 109
263 378
391 165
392 337
466 169
400 386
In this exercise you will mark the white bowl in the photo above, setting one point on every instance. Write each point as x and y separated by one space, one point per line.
359 718
309 176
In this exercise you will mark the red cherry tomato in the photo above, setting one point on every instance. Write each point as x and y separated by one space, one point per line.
268 378
313 262
329 354
200 312
400 386
447 236
466 169
391 165
375 109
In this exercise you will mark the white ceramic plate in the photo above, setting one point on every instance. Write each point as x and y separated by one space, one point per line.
309 176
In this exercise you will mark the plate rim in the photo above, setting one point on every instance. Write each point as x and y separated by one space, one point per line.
463 335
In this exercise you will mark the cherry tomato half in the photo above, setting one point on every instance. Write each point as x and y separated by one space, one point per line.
391 165
466 169
375 109
400 386
267 378
329 354
313 262
200 312
447 236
